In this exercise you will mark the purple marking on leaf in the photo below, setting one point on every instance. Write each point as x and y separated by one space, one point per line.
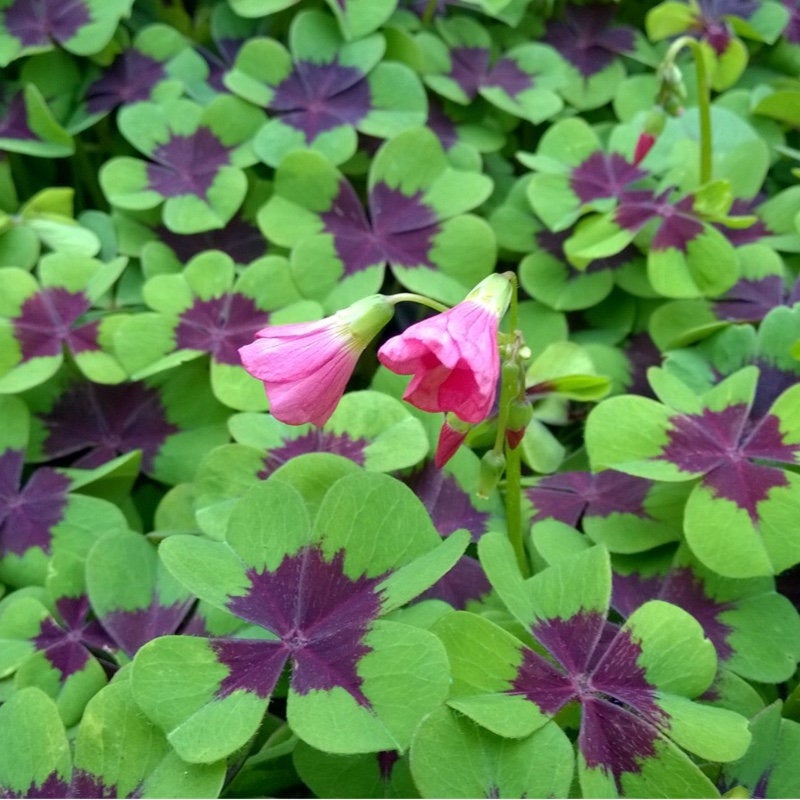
220 326
66 646
356 245
403 224
792 30
464 583
386 761
240 239
315 440
642 353
720 444
131 629
52 786
752 233
507 75
682 588
571 496
449 506
468 68
552 242
84 784
187 164
441 124
28 514
401 231
750 300
14 116
772 382
711 24
47 322
130 77
101 422
36 22
315 98
678 224
64 653
600 670
571 641
254 665
320 615
603 175
587 40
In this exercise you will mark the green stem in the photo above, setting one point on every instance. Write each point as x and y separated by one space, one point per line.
513 501
703 99
410 297
427 14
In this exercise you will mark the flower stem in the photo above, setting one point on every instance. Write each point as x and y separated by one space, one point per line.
410 297
703 99
513 503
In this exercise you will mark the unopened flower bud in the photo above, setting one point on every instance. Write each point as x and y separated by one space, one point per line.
452 434
493 465
520 413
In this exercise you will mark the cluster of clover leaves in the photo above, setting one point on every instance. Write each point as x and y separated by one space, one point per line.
198 600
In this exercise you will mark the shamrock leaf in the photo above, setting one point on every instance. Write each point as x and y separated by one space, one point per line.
39 322
634 695
196 157
172 418
207 308
459 66
414 220
325 90
82 27
713 438
753 628
313 597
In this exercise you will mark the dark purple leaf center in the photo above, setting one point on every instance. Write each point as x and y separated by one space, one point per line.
586 39
130 629
678 224
470 69
187 164
320 616
316 440
14 115
401 230
131 77
722 445
240 239
600 671
220 326
603 175
449 506
47 321
101 422
684 589
28 513
571 496
316 98
37 22
67 645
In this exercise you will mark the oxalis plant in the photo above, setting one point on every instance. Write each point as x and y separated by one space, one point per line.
399 398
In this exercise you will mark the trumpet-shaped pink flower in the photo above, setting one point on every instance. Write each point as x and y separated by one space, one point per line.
305 366
453 356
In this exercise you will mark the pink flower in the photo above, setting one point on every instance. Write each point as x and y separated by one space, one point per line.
453 356
305 366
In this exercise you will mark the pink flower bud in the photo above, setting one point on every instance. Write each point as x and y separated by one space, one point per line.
305 366
452 434
644 144
453 356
